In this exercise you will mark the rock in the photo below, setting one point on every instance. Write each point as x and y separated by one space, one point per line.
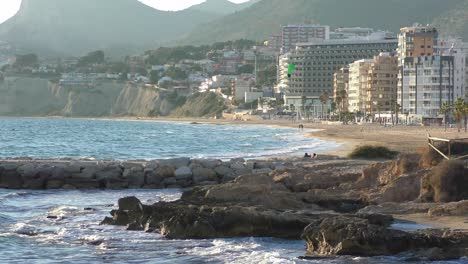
10 178
109 172
152 164
88 172
135 176
116 184
207 183
151 178
203 174
176 162
237 161
54 184
210 163
402 189
238 166
183 173
82 183
169 181
264 170
450 209
344 235
165 171
130 203
224 171
262 165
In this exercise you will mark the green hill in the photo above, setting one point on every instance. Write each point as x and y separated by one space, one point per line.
72 27
264 18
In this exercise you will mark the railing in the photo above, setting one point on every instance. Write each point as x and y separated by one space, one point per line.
447 156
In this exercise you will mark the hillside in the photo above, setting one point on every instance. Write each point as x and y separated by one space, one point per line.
25 96
222 7
70 27
264 18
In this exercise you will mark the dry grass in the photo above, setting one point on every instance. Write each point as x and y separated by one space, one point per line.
449 181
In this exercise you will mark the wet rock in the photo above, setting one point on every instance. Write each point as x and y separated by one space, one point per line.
176 162
54 184
130 203
82 183
183 173
210 163
263 170
86 172
115 184
344 235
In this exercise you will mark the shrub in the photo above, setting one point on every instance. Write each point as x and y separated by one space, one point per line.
431 158
372 152
449 181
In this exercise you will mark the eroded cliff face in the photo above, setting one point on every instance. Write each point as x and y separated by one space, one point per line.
23 96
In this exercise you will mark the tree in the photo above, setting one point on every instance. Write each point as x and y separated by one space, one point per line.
175 73
459 108
247 68
95 57
324 99
27 60
445 110
154 76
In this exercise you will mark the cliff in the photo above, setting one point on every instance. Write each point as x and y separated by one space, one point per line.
25 96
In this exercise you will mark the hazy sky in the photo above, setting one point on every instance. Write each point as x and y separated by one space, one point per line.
9 7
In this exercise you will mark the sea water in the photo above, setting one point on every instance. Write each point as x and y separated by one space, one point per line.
59 226
124 140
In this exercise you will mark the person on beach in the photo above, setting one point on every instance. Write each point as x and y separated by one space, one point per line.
314 156
307 155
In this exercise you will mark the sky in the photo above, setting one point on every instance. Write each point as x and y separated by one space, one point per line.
8 8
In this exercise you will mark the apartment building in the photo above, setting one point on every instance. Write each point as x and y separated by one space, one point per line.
357 90
293 34
341 88
317 62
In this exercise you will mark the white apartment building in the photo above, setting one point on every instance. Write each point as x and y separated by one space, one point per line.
358 85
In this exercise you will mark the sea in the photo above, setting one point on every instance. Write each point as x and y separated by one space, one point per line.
62 226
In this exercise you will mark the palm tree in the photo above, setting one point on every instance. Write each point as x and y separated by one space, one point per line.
397 111
445 110
460 111
324 99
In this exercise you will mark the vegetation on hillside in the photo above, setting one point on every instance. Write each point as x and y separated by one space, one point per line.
385 15
201 105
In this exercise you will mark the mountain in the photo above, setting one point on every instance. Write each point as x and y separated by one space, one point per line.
222 7
264 18
74 27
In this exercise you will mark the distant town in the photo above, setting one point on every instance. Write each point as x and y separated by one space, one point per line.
345 75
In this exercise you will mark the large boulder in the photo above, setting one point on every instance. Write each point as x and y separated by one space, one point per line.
109 172
165 171
450 209
203 174
183 173
135 176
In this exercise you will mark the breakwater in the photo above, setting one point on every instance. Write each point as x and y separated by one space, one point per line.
155 174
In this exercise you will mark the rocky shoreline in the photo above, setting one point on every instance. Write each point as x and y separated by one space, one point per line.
155 174
339 207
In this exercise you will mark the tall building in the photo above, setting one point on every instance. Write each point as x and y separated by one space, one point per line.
316 63
357 91
293 34
424 84
275 42
417 41
341 88
431 72
382 84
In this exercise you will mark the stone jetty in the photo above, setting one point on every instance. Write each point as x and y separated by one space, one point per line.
154 174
